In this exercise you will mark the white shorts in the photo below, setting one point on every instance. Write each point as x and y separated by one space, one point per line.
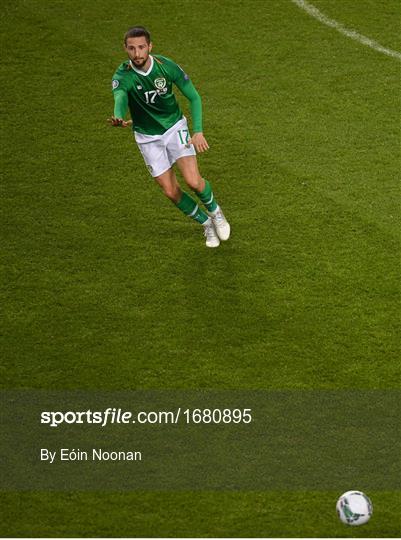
160 152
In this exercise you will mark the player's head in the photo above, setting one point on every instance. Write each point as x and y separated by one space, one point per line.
138 45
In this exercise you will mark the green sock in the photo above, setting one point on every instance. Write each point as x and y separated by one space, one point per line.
207 197
187 205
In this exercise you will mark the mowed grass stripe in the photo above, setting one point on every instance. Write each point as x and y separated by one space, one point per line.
236 515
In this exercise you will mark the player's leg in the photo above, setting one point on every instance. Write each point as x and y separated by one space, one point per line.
181 152
159 164
188 167
169 184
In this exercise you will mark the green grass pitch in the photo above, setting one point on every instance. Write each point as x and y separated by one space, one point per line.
106 285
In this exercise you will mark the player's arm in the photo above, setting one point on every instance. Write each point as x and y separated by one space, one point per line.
120 108
189 91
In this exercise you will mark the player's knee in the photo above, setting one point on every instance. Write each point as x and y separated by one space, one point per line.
172 192
196 183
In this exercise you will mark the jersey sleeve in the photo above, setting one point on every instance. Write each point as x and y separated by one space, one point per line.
120 95
186 87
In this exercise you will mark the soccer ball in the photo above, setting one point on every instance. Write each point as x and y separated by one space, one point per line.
354 508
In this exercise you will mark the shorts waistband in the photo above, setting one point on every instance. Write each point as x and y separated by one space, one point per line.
144 138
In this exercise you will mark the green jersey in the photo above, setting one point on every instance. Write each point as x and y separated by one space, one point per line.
150 98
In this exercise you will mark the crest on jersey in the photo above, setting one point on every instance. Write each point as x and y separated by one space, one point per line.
115 84
160 83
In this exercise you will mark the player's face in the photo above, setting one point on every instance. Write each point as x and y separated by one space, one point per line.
138 50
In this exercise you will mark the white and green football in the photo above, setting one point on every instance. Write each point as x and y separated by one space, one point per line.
354 508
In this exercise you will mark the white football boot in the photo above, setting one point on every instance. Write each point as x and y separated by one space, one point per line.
212 240
220 224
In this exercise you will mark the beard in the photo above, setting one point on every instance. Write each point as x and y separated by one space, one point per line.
140 62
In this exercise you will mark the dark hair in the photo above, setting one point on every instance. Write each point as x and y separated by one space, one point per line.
137 31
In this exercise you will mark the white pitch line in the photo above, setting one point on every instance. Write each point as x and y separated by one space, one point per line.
314 12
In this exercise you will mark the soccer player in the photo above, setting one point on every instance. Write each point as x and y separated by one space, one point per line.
144 85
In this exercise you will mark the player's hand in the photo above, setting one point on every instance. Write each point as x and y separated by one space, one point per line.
199 141
119 122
